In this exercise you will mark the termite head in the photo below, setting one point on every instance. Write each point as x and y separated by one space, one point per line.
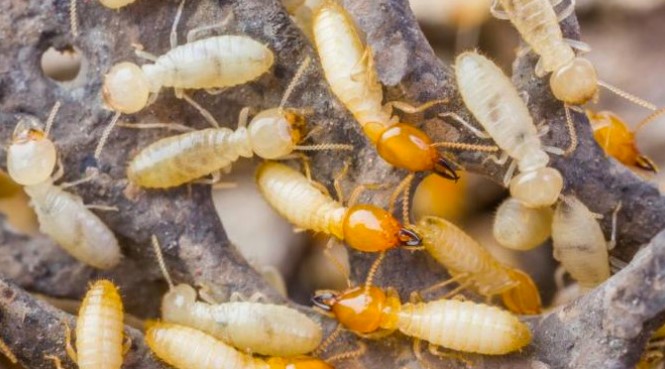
274 133
303 362
524 297
360 309
537 188
126 88
369 228
575 83
31 156
179 299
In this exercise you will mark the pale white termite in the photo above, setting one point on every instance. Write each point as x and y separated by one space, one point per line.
519 227
266 329
579 243
498 107
184 348
271 134
31 158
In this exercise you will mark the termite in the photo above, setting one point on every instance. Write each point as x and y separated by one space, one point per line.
471 265
498 107
271 134
184 347
208 63
519 227
31 159
363 227
619 141
579 243
253 327
453 324
99 330
348 68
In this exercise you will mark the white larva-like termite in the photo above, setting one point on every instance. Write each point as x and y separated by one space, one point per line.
519 227
31 158
266 329
497 106
579 243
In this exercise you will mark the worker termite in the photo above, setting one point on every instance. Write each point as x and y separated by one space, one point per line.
471 265
252 327
496 104
184 347
271 134
519 227
348 68
458 325
99 330
618 140
31 158
579 243
363 227
208 63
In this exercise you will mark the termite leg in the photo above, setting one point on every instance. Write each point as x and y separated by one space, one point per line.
497 12
195 33
509 173
613 237
566 12
126 345
60 172
258 297
205 294
398 191
56 361
78 181
435 351
457 279
206 114
410 109
68 344
173 37
102 207
364 65
5 350
145 55
337 181
215 91
466 124
499 160
350 354
338 264
582 47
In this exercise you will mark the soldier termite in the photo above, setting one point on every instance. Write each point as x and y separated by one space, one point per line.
348 68
252 327
272 134
471 265
458 325
618 140
579 243
496 104
363 227
209 63
99 330
31 158
519 227
184 347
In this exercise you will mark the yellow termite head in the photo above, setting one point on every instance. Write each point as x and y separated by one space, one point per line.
575 83
537 188
274 133
303 362
179 298
369 228
31 156
126 88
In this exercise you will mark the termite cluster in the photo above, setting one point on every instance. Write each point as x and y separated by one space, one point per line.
195 331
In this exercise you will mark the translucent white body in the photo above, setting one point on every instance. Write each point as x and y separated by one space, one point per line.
519 227
265 329
115 4
464 326
63 217
31 157
462 255
99 328
495 103
579 243
347 64
294 197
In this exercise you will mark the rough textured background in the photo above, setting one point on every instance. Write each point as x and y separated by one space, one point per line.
586 334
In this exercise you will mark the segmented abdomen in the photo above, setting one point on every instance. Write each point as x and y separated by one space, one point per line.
214 62
461 254
184 348
464 326
495 103
64 217
266 329
348 71
99 328
537 23
579 244
296 199
179 159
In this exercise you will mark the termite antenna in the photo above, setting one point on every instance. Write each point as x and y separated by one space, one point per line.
630 97
51 118
336 262
325 146
73 17
466 146
294 81
328 341
406 218
347 355
173 37
373 270
572 132
160 260
398 191
649 119
105 135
